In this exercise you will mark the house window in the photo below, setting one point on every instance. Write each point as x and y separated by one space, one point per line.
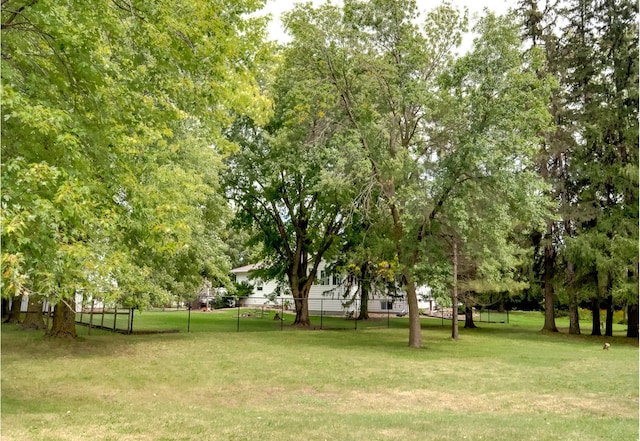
386 305
337 280
259 285
324 279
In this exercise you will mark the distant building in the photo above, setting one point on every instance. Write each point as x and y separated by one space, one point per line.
328 294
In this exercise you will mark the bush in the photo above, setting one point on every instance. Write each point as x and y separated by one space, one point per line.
220 302
618 316
243 289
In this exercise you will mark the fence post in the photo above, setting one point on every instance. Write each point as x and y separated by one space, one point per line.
102 319
48 314
115 317
282 312
488 315
321 311
355 315
91 315
238 320
386 300
507 316
442 316
131 321
189 319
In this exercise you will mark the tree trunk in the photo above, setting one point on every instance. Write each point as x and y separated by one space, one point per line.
632 321
595 317
14 313
468 318
64 321
5 308
33 320
415 330
603 294
454 295
364 292
301 301
608 328
574 314
549 312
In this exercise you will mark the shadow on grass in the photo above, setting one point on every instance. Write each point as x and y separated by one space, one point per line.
528 333
384 334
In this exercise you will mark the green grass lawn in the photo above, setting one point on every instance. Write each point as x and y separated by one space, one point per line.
499 382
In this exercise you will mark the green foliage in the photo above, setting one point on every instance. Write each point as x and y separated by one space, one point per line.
591 158
448 144
493 108
112 121
243 289
295 177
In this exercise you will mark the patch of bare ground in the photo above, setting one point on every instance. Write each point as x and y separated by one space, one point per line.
425 400
403 401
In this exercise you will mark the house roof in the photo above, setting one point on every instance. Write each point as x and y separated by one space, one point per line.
246 268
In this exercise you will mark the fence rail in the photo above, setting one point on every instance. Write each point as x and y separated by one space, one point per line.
243 315
325 313
486 315
118 320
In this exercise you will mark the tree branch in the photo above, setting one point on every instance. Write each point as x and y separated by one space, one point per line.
13 14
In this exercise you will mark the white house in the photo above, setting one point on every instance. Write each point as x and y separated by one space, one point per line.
327 295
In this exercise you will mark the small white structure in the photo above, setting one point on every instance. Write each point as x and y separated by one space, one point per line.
79 302
327 295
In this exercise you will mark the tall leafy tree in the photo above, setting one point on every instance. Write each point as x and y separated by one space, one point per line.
112 121
294 179
438 145
606 94
377 62
492 112
590 159
553 160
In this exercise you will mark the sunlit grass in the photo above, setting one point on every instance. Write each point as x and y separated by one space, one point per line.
499 382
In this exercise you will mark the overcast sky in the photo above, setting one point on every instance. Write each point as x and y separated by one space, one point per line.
277 7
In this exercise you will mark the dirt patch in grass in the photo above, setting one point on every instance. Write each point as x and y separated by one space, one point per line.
425 400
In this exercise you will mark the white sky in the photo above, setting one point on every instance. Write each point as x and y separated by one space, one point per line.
277 7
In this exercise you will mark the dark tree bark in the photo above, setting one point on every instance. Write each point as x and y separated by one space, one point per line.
549 311
33 320
632 321
364 292
301 280
595 317
14 313
300 286
454 296
64 321
574 315
468 318
5 308
302 310
608 328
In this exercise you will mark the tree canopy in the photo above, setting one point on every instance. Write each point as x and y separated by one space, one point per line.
135 132
112 140
443 147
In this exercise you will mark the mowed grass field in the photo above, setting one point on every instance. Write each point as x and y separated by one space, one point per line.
499 382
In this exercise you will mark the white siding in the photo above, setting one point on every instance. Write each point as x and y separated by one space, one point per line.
320 299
